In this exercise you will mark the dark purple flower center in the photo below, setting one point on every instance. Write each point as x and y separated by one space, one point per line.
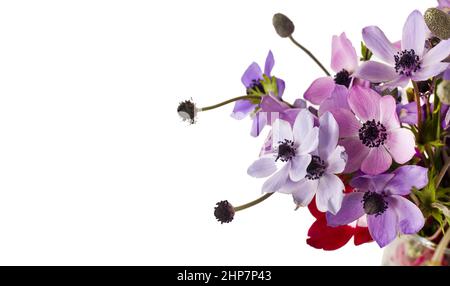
407 62
286 151
374 203
372 134
315 169
343 78
256 86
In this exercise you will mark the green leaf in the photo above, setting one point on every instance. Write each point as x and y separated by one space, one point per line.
366 54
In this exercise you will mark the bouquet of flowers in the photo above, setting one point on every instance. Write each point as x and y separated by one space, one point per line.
367 149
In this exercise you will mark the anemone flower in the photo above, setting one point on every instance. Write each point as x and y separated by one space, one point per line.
291 148
382 199
344 62
371 133
412 61
320 179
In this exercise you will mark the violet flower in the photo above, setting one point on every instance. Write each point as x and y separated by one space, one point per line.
371 132
321 180
381 199
407 113
344 62
292 148
411 62
253 79
443 4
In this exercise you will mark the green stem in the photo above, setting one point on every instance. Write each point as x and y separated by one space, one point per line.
419 108
310 55
440 249
244 97
442 173
255 202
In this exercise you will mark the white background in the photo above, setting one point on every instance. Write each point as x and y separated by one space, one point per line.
96 168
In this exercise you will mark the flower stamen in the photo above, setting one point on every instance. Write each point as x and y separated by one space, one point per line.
407 62
373 134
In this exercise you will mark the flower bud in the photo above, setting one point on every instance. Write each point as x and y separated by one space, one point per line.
443 91
438 22
224 212
283 25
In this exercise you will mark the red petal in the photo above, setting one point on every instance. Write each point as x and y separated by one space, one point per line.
362 235
314 211
322 236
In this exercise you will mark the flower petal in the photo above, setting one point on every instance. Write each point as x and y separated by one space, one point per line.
309 143
372 183
399 81
407 113
347 122
383 228
263 167
319 90
407 177
298 167
328 238
259 122
252 73
329 193
343 54
351 210
364 102
400 144
436 54
303 124
328 135
427 72
410 218
277 180
376 72
304 192
270 61
414 33
281 85
378 161
337 161
281 131
356 153
388 113
242 108
337 100
379 44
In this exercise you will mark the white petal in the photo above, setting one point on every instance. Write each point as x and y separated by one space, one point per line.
414 33
262 167
298 167
305 191
328 135
437 54
337 161
277 180
281 131
309 143
303 124
329 194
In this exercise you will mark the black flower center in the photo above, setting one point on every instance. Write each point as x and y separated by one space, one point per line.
187 111
256 86
315 169
372 134
407 62
343 78
374 203
286 150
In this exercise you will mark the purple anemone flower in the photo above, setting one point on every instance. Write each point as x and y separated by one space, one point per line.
291 148
412 61
381 198
407 113
253 79
371 133
321 180
344 62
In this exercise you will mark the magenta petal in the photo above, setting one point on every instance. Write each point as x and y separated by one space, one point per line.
365 103
378 161
372 183
427 72
410 218
336 101
348 124
319 90
379 44
414 33
356 152
343 54
388 112
383 228
270 62
376 72
242 108
400 144
437 54
405 178
252 73
351 210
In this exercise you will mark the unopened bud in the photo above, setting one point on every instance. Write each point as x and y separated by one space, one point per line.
283 25
438 22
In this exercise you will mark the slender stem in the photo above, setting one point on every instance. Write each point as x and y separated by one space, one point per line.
437 233
442 173
419 107
310 55
430 153
247 97
440 249
255 202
